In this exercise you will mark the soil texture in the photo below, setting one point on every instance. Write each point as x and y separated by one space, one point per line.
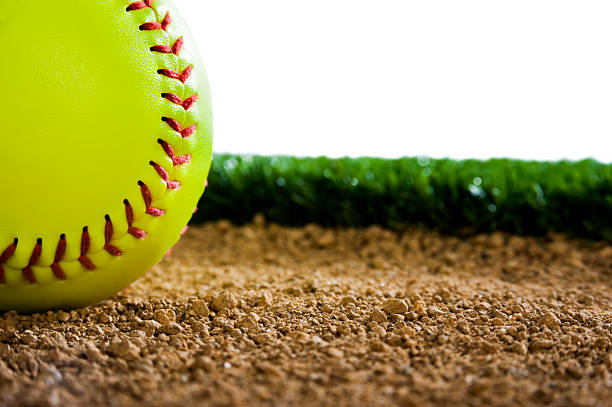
264 315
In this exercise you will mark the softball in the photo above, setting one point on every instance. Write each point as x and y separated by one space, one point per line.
106 146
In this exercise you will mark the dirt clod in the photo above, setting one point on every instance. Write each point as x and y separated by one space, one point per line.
164 316
395 306
224 301
550 320
199 308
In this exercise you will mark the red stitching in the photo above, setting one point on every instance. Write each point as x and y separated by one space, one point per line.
182 76
28 272
164 175
186 104
166 21
173 98
6 254
154 25
129 214
176 126
139 5
59 255
176 160
178 45
148 199
85 244
108 236
165 49
150 26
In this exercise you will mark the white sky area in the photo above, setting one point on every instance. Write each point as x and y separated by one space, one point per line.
525 79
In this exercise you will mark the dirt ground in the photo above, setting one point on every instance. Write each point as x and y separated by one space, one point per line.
263 315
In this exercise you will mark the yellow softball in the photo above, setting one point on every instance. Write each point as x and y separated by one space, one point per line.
106 145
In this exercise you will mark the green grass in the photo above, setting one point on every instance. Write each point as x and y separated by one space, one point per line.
451 196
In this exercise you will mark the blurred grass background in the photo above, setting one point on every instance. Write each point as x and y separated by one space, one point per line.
469 196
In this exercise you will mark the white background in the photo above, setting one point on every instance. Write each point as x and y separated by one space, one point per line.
466 79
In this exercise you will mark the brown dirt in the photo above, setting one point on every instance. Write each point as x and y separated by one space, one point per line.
267 315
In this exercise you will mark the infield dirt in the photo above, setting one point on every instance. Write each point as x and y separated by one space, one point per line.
263 315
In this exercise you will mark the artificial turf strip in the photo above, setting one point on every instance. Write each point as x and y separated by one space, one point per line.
452 196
